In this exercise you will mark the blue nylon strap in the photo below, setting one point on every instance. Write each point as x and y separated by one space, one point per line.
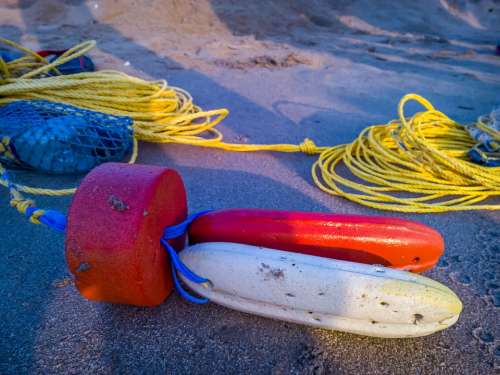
54 219
172 232
51 218
177 230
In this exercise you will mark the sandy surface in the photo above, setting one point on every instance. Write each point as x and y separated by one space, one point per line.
286 70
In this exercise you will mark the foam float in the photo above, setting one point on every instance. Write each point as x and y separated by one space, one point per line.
327 293
115 223
119 212
391 242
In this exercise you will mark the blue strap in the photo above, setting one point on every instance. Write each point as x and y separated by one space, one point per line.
175 231
54 219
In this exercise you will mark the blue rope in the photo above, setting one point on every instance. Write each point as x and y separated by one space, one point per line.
53 219
172 232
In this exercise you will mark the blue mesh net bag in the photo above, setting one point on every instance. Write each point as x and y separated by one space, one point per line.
59 138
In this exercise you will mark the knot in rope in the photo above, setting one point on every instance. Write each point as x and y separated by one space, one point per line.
22 205
308 147
172 232
51 218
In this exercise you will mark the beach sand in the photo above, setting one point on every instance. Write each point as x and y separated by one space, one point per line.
286 70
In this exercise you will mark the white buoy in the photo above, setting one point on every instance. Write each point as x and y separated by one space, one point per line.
327 293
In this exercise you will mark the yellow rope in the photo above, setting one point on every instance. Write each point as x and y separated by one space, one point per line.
424 155
18 201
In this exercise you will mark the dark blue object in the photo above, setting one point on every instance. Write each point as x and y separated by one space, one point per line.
77 65
480 154
60 138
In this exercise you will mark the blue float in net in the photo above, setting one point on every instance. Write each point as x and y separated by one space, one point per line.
60 138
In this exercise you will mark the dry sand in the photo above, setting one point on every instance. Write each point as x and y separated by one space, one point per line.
287 70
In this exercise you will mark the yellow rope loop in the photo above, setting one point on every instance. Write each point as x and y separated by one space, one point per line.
22 206
35 216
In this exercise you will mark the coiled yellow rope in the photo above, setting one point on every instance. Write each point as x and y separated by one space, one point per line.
424 155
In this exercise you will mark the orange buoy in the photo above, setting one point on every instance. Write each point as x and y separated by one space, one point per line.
391 242
115 223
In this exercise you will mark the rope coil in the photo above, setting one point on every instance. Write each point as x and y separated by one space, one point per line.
425 155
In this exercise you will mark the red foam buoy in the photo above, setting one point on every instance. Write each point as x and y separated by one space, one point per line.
396 243
115 223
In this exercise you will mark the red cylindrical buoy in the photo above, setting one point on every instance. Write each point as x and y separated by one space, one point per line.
396 243
115 223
